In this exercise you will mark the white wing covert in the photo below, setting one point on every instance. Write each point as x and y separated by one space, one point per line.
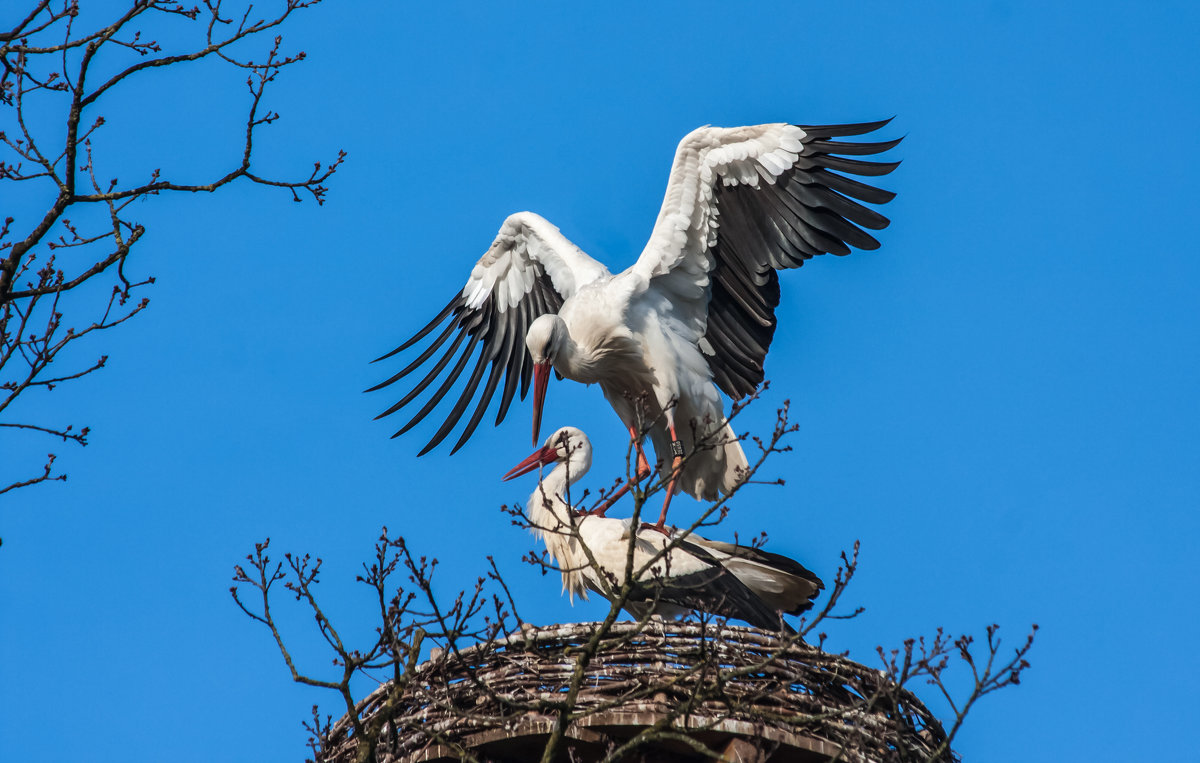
742 203
529 270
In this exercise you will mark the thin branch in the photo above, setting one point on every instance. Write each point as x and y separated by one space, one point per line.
46 56
45 476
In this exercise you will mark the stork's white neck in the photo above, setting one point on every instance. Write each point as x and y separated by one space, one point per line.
548 506
576 364
552 521
611 359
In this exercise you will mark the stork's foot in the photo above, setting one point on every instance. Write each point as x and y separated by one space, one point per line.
667 531
643 467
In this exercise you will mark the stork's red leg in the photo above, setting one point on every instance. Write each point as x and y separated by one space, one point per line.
676 462
600 510
643 470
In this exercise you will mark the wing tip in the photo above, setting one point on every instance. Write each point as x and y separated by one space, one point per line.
844 129
387 355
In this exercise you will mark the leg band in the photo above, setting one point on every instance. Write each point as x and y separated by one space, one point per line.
676 448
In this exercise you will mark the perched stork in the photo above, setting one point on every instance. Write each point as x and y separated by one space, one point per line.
694 573
692 318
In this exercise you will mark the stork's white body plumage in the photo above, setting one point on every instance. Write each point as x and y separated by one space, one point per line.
692 318
677 573
624 337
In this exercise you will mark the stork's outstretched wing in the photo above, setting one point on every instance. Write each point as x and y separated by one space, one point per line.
529 270
741 204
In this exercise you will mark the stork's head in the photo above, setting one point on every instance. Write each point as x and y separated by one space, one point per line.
568 445
546 340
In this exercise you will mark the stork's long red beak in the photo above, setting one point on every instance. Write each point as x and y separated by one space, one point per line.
540 457
541 377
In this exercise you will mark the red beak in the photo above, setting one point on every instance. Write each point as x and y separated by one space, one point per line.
541 377
540 457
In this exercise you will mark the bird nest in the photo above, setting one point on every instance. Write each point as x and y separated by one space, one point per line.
660 691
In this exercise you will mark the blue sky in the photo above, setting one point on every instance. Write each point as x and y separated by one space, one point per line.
1001 403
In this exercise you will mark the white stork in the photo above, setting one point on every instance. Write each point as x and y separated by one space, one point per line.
694 573
692 318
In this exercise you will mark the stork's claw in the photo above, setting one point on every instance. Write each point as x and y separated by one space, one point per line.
657 528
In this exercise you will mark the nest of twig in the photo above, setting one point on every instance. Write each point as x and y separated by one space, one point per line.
662 691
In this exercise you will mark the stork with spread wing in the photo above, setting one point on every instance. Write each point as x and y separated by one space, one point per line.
692 318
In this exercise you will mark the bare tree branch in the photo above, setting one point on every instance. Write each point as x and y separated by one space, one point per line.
47 64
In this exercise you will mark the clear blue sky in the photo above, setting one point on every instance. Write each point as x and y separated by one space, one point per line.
1001 403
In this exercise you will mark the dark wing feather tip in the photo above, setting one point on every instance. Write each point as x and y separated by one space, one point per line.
811 209
441 316
843 130
852 149
499 336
